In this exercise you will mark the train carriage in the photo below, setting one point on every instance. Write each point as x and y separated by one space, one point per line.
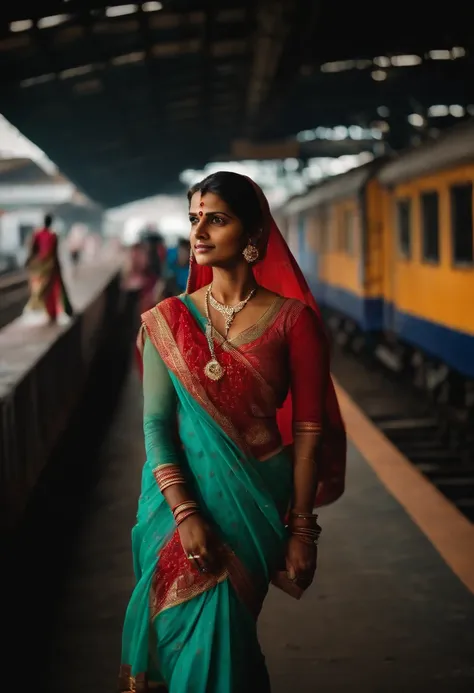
388 250
428 240
335 231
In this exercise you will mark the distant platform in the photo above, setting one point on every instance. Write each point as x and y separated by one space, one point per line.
43 370
25 340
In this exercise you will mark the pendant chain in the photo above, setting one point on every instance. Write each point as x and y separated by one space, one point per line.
213 369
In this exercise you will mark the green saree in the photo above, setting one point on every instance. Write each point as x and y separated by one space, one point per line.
187 632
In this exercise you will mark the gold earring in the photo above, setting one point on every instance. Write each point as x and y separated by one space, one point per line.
250 253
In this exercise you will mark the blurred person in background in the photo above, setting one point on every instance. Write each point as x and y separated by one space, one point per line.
47 291
178 266
157 264
243 437
75 241
136 276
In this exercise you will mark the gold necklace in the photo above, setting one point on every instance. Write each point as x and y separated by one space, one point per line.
229 312
213 369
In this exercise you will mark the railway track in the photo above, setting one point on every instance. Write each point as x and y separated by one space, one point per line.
412 423
13 296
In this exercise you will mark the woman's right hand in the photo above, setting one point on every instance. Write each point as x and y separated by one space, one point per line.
198 539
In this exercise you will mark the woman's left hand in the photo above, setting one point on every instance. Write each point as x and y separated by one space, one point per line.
301 561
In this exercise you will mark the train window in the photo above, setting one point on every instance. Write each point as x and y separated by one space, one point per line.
347 244
430 226
404 227
461 223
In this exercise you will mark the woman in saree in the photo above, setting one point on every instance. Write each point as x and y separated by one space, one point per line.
243 439
47 290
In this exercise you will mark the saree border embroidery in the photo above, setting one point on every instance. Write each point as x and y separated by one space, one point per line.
163 340
140 343
138 683
187 582
300 427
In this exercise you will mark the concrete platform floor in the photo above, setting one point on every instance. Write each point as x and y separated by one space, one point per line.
385 614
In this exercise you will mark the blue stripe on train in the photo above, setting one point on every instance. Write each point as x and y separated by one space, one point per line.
367 313
453 347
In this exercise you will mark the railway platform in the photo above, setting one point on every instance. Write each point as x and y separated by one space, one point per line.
43 371
391 609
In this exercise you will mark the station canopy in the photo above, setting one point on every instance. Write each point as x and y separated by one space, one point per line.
125 96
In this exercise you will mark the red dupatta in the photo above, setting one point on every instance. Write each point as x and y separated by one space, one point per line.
278 271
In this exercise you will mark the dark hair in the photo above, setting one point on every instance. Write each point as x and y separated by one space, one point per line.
48 220
236 191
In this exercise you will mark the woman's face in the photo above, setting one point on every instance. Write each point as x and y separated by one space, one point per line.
217 235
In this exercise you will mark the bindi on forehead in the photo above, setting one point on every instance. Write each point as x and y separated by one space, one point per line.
208 204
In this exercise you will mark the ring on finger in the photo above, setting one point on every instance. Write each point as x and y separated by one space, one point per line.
196 558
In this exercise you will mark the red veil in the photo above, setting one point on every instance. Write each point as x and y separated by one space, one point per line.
278 271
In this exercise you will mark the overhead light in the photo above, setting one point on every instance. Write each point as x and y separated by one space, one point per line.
416 120
54 20
405 60
458 52
42 79
76 71
355 132
128 58
383 111
382 61
438 111
23 25
120 10
379 75
152 6
456 110
440 55
338 66
306 136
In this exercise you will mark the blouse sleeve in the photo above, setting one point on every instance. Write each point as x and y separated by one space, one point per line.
159 409
309 367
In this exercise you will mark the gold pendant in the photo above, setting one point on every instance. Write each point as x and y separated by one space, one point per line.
214 370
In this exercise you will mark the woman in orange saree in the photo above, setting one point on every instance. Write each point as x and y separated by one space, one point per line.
243 437
47 290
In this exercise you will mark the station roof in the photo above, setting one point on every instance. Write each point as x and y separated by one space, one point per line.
124 96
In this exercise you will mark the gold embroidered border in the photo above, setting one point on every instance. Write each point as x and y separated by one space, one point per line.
306 427
180 594
141 339
160 334
138 683
233 569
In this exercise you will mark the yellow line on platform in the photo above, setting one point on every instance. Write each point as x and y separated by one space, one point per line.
447 529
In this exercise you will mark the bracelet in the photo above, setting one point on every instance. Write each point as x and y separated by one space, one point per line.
293 513
167 475
184 516
308 536
183 510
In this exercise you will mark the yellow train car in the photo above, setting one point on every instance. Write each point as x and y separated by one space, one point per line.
335 232
428 242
